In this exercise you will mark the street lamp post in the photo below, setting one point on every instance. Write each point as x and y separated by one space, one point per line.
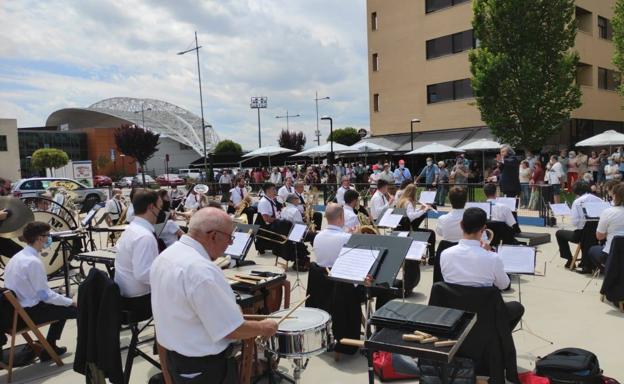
201 103
258 103
318 132
287 117
412 131
143 109
330 159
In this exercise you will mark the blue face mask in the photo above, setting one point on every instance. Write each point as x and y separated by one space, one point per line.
48 242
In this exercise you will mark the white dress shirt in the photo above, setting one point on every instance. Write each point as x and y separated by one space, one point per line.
192 201
169 234
275 178
612 223
267 207
194 307
136 250
292 214
350 217
237 194
470 265
25 275
501 212
300 207
114 208
283 193
378 203
327 245
130 213
578 216
413 213
554 174
340 194
448 225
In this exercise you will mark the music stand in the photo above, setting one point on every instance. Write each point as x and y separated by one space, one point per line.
247 228
88 223
296 236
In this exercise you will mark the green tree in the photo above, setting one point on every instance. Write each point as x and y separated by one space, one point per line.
138 143
228 146
49 158
524 70
618 39
292 140
345 136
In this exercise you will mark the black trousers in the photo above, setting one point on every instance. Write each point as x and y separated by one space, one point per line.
139 308
515 311
597 257
44 312
563 238
217 369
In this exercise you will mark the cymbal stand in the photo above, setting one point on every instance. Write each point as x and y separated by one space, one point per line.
522 321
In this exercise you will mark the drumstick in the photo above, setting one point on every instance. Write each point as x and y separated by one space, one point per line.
250 277
445 343
262 317
352 342
428 340
408 337
252 282
293 309
423 334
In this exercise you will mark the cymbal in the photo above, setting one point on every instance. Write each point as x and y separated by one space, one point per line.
19 216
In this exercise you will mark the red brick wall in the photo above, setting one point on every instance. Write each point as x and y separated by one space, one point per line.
99 143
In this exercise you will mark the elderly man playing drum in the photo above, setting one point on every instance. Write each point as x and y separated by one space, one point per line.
194 307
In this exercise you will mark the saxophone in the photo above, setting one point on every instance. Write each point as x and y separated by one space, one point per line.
244 204
309 211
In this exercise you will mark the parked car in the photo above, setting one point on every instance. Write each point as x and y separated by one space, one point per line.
187 173
102 181
137 181
124 182
37 186
169 179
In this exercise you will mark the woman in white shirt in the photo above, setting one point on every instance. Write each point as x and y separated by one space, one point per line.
415 215
401 189
525 178
611 169
611 224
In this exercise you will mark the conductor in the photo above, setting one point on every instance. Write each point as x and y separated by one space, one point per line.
194 307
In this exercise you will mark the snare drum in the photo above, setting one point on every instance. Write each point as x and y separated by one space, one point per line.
310 334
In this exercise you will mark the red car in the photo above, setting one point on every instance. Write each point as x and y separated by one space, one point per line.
169 180
102 181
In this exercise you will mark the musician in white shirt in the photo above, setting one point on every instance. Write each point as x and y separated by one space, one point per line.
299 191
136 251
500 212
25 275
268 213
380 200
285 190
583 192
611 224
351 202
415 215
114 207
290 211
237 195
195 310
449 225
471 263
329 241
192 201
344 187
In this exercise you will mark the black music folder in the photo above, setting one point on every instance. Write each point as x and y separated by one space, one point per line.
410 316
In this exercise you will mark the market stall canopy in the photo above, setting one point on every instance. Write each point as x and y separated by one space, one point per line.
368 147
268 151
322 150
604 139
434 148
480 145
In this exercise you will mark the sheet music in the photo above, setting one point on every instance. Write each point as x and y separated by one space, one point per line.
389 220
487 207
517 259
403 234
508 201
354 264
297 232
90 216
561 209
237 248
595 209
427 197
416 250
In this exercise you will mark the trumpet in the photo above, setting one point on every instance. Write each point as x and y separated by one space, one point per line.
278 237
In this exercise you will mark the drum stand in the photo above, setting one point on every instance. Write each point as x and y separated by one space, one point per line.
276 376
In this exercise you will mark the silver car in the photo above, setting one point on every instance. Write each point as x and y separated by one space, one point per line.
37 186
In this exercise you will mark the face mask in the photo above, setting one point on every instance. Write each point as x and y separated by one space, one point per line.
610 162
48 242
401 166
429 163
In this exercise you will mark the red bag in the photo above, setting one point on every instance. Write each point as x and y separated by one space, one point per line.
384 368
532 378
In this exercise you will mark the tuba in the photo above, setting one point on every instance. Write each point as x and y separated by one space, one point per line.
367 225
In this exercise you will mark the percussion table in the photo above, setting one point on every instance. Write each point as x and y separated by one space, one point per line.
105 256
65 239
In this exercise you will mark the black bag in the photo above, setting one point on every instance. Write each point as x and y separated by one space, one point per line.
570 366
459 371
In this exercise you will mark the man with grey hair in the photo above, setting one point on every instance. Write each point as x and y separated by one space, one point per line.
510 172
329 241
195 309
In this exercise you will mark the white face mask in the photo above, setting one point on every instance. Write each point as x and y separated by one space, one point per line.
401 166
429 163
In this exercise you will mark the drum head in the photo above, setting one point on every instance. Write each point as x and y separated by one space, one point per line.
306 318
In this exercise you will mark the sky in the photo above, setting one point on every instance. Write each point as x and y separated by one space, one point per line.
60 54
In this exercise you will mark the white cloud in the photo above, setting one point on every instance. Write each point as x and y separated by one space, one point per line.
71 54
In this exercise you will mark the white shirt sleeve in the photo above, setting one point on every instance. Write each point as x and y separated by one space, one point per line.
378 205
413 213
603 223
191 202
144 254
501 279
577 213
39 280
282 194
440 226
510 220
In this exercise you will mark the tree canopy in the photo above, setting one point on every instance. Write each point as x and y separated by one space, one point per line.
292 140
618 39
228 146
345 136
138 143
524 69
49 158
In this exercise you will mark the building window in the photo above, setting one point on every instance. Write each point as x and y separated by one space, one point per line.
376 102
450 90
608 79
374 21
584 74
447 45
434 5
375 62
605 31
3 144
584 20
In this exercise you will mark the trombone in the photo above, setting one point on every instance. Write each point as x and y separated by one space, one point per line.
278 237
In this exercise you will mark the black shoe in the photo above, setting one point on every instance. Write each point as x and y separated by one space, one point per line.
568 264
46 357
261 252
584 271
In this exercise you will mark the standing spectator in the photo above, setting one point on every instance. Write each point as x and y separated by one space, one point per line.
537 179
225 183
611 170
531 159
593 165
525 179
554 176
276 177
402 173
459 173
563 160
387 174
374 178
443 184
573 171
258 176
430 172
509 165
582 163
604 160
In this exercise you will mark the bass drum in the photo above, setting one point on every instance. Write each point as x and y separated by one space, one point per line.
60 219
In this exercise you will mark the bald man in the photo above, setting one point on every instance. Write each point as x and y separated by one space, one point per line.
329 241
187 288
